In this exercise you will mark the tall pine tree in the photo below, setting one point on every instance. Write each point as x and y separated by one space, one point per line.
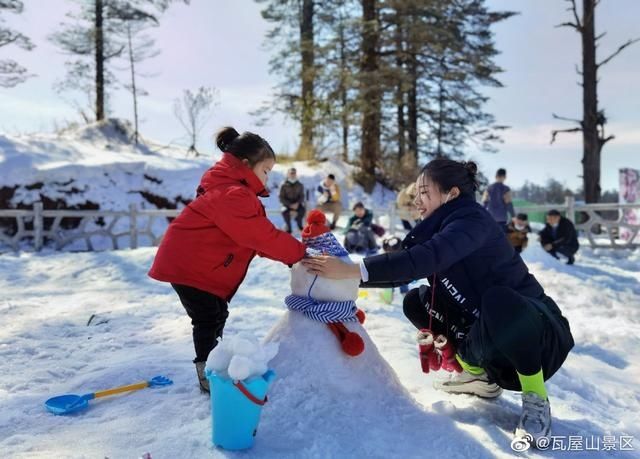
12 73
96 36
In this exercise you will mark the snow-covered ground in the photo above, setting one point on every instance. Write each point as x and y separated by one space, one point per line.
140 330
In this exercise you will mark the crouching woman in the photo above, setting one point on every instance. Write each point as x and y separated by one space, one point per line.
508 333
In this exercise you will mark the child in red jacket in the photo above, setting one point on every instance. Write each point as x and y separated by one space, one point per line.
206 250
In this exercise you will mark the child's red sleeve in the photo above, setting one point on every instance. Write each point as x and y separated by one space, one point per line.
237 217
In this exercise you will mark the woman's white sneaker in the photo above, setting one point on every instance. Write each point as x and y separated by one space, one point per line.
467 383
535 420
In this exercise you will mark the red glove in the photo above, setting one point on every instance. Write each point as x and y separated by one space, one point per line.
429 359
447 354
436 352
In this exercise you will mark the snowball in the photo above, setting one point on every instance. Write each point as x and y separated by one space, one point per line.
240 367
219 359
241 357
242 346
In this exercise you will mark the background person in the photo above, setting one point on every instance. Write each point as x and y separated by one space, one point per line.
517 231
406 207
559 236
329 199
359 235
292 199
497 200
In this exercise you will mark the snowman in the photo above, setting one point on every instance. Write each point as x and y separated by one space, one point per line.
332 386
329 301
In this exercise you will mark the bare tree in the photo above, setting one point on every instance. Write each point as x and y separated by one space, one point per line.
12 73
98 35
193 110
592 124
140 47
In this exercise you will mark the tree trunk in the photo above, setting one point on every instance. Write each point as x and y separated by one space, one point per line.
99 61
370 91
591 141
133 86
344 118
412 113
400 107
441 101
306 150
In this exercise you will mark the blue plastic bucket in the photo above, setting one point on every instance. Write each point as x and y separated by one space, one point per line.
235 409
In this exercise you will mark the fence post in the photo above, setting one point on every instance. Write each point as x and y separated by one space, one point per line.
133 226
570 202
38 225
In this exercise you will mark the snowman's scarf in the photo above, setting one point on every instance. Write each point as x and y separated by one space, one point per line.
322 311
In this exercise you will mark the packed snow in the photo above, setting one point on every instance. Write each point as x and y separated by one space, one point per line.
80 322
241 357
97 163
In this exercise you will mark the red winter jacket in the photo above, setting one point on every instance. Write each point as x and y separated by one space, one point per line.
210 244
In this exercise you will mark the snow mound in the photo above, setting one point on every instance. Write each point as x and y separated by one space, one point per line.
325 401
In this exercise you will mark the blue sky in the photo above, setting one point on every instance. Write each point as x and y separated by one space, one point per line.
220 43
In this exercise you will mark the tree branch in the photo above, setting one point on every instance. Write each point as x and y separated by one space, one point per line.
618 51
606 139
565 119
600 36
574 9
569 24
554 133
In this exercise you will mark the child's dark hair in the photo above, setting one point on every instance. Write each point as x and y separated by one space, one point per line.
501 172
247 146
447 173
358 205
523 217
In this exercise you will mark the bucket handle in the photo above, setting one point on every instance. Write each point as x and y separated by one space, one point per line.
248 394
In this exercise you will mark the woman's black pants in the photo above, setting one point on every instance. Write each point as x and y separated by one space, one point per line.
511 333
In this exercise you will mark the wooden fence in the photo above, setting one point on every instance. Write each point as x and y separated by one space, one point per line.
35 228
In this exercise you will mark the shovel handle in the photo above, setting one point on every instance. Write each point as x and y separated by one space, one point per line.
119 390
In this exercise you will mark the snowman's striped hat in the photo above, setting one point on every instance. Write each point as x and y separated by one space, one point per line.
318 237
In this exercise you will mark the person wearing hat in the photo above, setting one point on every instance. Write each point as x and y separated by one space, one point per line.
292 199
559 236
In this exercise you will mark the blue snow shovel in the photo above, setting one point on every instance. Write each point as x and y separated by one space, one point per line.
67 404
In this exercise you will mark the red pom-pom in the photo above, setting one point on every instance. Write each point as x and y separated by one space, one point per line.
316 224
352 344
316 217
360 315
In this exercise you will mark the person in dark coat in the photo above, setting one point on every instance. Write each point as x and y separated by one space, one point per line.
359 235
559 236
482 299
292 199
206 251
497 199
